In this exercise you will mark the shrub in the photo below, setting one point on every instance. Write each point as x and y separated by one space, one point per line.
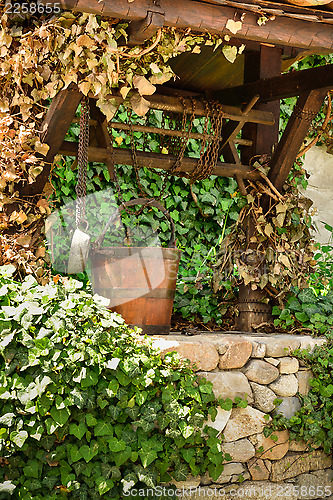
88 408
314 421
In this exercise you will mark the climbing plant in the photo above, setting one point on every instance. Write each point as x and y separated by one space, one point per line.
313 423
88 408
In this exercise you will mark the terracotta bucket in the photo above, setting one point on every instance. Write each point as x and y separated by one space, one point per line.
140 282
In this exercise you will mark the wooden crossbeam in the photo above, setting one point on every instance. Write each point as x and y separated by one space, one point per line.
307 107
210 18
279 87
174 105
154 160
56 124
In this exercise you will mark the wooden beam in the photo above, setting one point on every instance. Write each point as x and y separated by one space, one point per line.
140 31
154 160
279 87
174 105
54 128
205 17
307 107
257 66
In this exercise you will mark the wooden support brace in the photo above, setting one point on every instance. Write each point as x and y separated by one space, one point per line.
155 160
140 31
56 124
279 87
306 109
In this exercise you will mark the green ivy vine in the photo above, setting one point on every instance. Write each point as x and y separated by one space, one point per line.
88 408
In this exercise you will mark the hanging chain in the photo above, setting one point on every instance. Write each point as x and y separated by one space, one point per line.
209 151
81 188
209 158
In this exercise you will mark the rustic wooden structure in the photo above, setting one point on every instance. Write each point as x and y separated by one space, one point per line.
249 90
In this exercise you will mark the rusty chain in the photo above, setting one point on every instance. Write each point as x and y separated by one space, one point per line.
209 151
209 158
81 187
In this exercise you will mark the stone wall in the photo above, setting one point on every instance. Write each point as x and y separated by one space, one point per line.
319 164
261 368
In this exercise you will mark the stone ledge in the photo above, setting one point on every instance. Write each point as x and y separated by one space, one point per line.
233 350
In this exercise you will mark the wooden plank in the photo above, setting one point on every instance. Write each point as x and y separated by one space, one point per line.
279 9
279 87
173 104
203 17
154 160
56 124
307 107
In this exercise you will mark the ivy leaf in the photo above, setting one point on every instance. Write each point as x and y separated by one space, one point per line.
7 419
234 26
49 482
230 53
186 430
121 457
104 485
188 454
32 469
181 472
114 411
103 428
215 471
78 430
89 452
19 437
60 416
47 442
91 379
147 456
7 487
116 445
146 476
75 453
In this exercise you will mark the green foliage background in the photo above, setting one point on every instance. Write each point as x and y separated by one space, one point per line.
201 218
199 224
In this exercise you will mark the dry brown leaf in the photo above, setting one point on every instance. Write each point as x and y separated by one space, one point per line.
18 217
40 252
143 85
139 105
234 26
42 148
24 241
107 108
84 41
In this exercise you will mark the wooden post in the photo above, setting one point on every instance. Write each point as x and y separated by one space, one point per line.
258 65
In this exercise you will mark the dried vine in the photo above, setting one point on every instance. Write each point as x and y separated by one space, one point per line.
41 56
272 250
